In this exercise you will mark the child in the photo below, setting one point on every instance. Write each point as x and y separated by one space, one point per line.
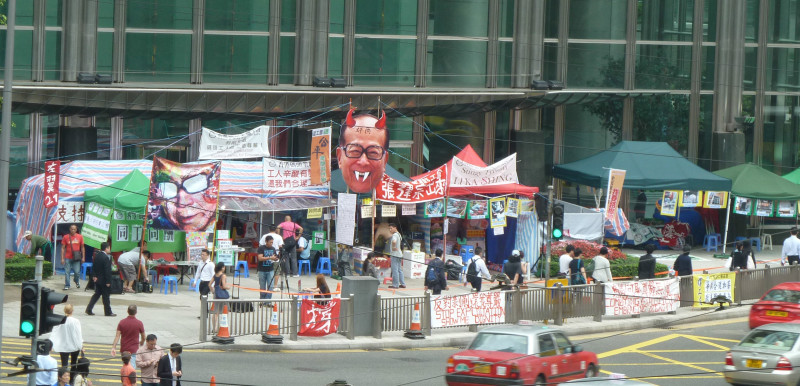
127 373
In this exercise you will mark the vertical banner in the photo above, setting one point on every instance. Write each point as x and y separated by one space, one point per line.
616 178
320 156
182 196
96 224
52 171
498 207
319 319
345 218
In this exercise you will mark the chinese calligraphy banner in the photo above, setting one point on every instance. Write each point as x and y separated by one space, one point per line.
319 319
96 224
709 286
70 212
616 178
427 187
126 234
183 196
466 175
252 144
634 298
290 179
320 156
52 170
463 310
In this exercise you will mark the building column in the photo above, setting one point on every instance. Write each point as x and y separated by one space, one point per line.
35 144
322 26
563 39
761 68
522 45
37 56
630 70
87 59
536 43
489 127
417 144
349 43
198 28
118 58
421 62
304 43
696 81
195 126
274 49
493 45
115 153
71 38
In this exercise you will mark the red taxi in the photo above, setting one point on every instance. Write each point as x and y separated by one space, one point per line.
520 355
779 305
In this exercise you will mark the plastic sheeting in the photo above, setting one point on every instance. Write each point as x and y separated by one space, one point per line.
257 204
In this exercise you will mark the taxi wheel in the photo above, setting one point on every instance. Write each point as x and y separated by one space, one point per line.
540 381
591 371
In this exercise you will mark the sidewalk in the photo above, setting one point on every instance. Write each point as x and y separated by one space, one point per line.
174 318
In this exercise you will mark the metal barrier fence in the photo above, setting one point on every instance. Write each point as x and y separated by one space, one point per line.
536 304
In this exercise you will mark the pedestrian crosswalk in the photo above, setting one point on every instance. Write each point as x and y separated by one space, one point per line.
103 369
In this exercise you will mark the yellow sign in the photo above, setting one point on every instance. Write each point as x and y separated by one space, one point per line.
314 213
708 288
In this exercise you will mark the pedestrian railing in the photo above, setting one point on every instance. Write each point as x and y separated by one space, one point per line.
395 313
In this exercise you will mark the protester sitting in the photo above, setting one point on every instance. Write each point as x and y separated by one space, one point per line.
367 268
322 290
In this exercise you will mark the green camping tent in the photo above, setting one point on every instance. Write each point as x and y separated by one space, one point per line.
753 181
648 165
129 194
793 176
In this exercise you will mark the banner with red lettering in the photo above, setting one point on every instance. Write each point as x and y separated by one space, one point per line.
319 320
52 170
426 187
463 310
466 175
639 297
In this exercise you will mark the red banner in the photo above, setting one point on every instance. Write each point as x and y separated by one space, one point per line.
319 320
52 170
426 187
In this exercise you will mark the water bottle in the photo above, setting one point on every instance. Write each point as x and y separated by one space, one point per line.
671 272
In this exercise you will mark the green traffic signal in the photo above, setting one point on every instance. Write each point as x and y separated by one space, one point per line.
26 327
557 234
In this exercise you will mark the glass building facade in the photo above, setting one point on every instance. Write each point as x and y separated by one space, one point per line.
451 73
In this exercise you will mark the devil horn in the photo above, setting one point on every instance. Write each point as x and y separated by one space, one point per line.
381 124
350 122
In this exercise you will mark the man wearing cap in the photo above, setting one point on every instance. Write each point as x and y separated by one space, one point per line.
791 249
39 243
513 268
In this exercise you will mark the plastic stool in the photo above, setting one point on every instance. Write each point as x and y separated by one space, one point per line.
324 266
84 268
387 280
756 241
740 238
713 242
194 285
170 282
244 267
766 240
304 263
153 276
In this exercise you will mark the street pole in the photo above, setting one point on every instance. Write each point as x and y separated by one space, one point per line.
5 146
34 341
549 233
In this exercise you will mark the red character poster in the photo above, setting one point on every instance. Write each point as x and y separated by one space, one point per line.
319 320
52 169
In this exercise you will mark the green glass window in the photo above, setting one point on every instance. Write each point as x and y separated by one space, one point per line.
550 63
783 69
449 134
139 128
235 59
237 15
596 65
18 170
288 15
386 17
21 126
459 18
662 118
669 20
750 66
53 11
52 55
748 110
24 12
163 14
783 21
23 47
597 19
385 61
286 60
502 134
105 14
705 141
157 57
336 9
103 127
663 67
588 131
231 127
551 10
781 134
751 26
335 47
505 53
710 20
457 63
50 123
400 159
707 68
105 45
506 18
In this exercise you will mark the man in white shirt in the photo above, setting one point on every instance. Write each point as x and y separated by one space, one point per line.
563 260
48 367
602 267
791 249
205 272
277 240
481 272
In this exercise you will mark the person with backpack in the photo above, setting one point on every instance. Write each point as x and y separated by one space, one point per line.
577 270
476 270
435 278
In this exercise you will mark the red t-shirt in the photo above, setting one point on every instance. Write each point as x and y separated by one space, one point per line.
131 330
76 242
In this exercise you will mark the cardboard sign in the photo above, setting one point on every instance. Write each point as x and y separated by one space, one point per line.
318 241
251 144
96 224
639 297
462 310
317 319
52 172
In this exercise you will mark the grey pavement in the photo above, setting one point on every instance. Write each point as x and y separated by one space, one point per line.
174 318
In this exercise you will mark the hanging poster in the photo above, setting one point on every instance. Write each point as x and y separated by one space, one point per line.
250 144
388 210
320 156
498 211
512 207
314 213
366 211
290 179
318 240
51 176
743 206
96 224
669 202
477 209
715 200
409 209
429 186
183 196
465 174
786 209
526 205
224 252
345 218
434 209
319 318
764 208
691 198
709 286
456 208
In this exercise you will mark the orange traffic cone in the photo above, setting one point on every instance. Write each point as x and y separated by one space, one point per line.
273 334
223 335
338 290
415 332
213 380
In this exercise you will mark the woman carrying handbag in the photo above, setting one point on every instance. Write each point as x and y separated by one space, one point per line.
220 287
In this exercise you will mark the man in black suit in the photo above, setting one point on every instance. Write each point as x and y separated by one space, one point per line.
101 274
169 366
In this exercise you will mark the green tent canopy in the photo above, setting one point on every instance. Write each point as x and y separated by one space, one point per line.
129 194
793 176
648 165
753 181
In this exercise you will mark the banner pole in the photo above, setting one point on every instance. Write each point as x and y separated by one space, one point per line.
727 221
373 219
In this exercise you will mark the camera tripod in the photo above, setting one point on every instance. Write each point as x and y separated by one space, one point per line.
280 272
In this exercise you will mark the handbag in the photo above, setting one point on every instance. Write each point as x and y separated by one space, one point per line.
221 293
76 255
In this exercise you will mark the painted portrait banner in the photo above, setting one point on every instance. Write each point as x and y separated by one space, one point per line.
51 176
426 187
290 179
320 156
639 297
708 286
465 174
251 144
319 319
183 196
462 310
96 224
363 151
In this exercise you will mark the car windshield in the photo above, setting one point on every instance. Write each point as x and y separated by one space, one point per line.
500 342
783 295
774 340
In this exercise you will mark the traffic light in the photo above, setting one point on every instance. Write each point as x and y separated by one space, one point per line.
558 221
47 319
27 310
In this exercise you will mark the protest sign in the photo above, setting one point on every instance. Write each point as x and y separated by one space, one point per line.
462 310
320 156
250 144
317 319
51 176
709 286
96 224
345 218
427 187
465 174
639 297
